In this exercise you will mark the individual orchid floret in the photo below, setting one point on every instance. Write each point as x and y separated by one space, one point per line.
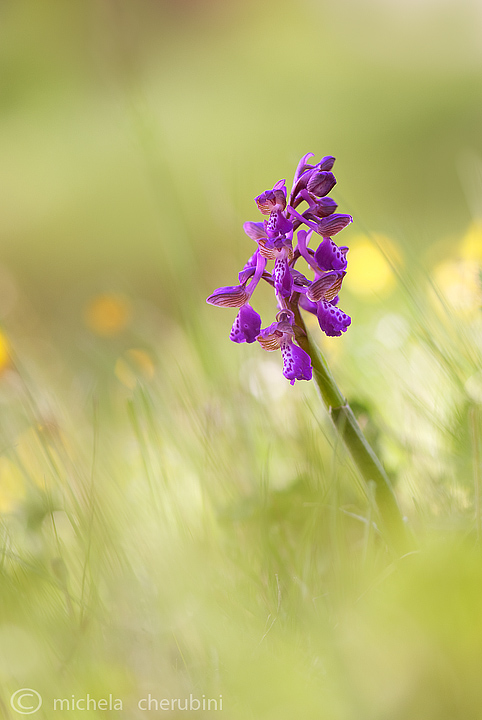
247 323
273 203
277 246
257 231
280 336
274 199
321 298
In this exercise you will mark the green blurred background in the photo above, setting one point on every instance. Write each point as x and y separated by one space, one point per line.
134 135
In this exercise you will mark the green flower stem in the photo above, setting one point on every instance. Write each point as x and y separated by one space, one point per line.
369 466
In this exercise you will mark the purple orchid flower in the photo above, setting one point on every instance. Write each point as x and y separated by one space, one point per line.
283 238
247 323
280 336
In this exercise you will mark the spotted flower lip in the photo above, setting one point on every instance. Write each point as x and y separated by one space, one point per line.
328 256
283 238
283 279
332 320
296 363
246 326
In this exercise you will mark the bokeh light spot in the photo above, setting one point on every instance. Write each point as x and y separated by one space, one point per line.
369 273
392 331
136 364
471 247
12 488
459 282
4 352
108 315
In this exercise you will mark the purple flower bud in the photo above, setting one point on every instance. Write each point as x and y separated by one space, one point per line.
320 183
326 163
329 256
246 326
324 206
333 321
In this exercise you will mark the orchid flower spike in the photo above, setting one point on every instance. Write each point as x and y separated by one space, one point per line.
283 239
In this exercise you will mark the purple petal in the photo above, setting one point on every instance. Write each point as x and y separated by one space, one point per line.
229 296
333 321
326 287
333 224
278 224
269 330
329 256
326 163
271 199
267 249
320 183
246 326
301 183
300 280
303 165
308 305
249 269
255 230
270 337
324 206
296 362
281 185
283 280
